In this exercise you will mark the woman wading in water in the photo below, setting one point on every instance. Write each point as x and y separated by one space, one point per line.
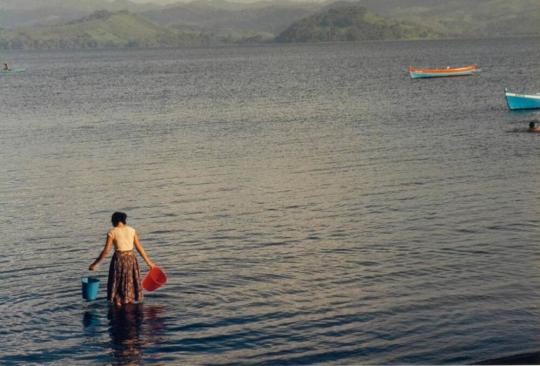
124 285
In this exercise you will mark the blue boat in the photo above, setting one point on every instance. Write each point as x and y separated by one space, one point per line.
522 101
12 71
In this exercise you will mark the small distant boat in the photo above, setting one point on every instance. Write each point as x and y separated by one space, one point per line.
522 101
437 73
11 71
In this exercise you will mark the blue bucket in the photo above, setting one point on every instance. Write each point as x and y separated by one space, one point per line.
90 287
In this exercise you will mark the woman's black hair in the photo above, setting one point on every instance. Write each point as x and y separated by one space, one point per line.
118 217
531 125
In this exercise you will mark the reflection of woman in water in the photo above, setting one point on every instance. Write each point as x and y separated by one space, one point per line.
130 327
125 330
124 285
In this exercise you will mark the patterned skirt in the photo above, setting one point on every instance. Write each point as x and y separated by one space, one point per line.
124 285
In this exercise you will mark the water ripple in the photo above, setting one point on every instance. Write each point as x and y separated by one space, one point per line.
310 205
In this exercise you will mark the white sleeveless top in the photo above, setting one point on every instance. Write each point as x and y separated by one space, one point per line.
123 238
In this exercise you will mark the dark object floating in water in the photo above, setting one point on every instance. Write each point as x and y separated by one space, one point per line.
523 359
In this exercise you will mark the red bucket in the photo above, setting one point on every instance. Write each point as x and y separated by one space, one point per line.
154 279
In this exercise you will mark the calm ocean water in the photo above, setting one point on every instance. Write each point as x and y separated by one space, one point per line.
310 204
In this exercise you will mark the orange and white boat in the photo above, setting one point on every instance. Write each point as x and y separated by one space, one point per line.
449 71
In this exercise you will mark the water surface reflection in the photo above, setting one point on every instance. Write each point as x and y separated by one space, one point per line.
131 328
125 325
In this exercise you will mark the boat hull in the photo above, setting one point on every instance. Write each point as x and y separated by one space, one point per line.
522 101
420 75
441 73
12 71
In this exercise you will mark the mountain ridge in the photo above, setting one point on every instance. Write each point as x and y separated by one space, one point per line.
216 22
345 21
101 29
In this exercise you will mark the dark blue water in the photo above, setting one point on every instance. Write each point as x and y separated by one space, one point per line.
310 204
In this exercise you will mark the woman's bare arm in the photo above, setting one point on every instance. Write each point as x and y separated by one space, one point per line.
142 252
103 254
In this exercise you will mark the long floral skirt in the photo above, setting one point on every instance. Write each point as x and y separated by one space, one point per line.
124 285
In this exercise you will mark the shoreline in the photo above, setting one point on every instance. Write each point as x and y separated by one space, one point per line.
263 44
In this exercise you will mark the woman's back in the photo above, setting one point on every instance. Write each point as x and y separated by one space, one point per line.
123 237
124 285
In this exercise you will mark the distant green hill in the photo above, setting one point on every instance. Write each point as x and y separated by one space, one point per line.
217 16
19 13
102 29
351 22
465 18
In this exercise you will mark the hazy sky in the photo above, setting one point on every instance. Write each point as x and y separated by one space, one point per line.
177 1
